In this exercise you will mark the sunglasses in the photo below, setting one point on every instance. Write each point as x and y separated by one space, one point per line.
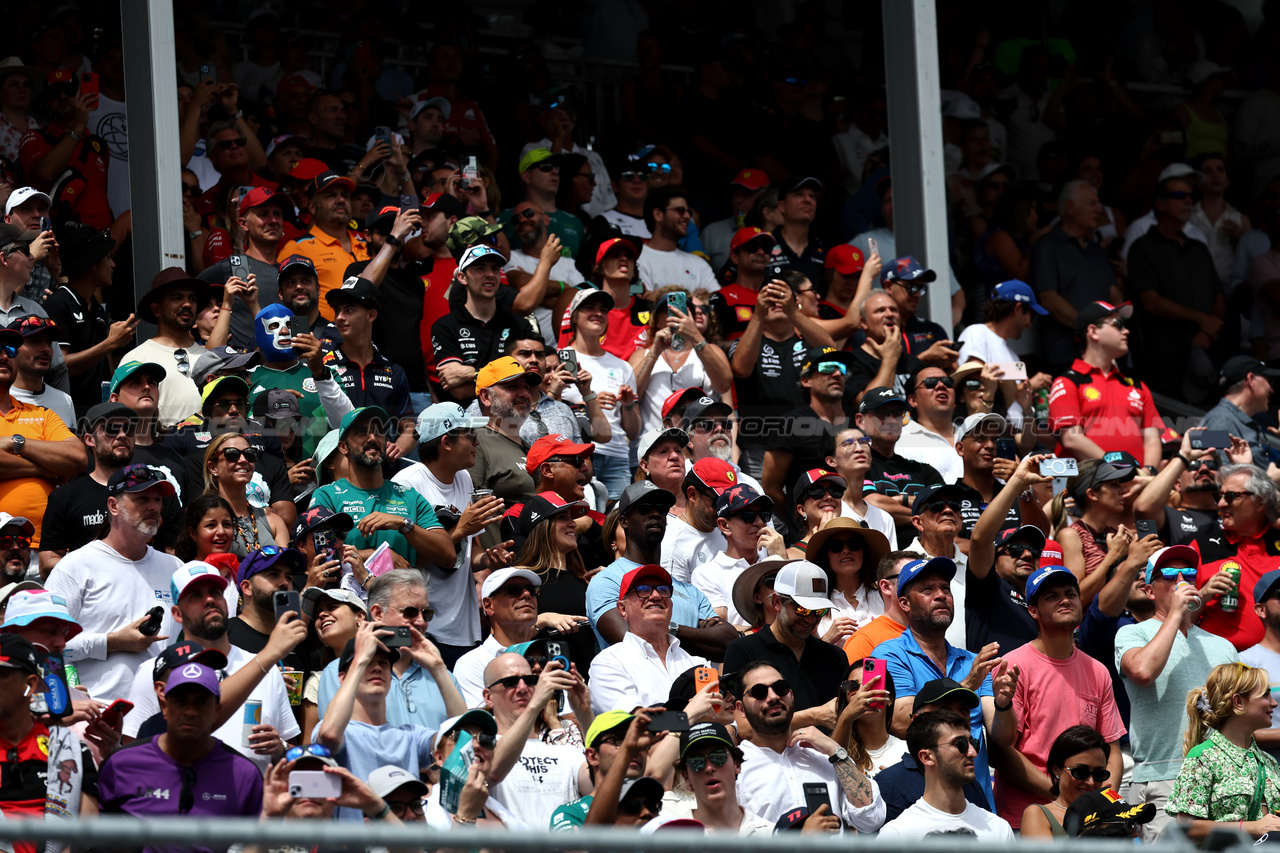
931 382
1232 497
753 246
961 744
228 144
527 213
1208 464
633 176
1082 771
226 405
515 590
486 740
187 797
1017 549
829 367
972 384
939 506
316 749
805 611
750 515
712 424
113 428
9 350
412 613
698 763
911 289
760 692
7 542
645 590
635 806
1188 575
402 809
184 363
817 493
233 454
572 461
664 168
1114 322
510 682
853 543
548 167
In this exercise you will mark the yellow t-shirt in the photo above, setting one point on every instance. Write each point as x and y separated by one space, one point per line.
27 496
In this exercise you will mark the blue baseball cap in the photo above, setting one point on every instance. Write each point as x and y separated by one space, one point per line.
941 492
906 268
1264 586
1014 290
915 568
266 557
1046 574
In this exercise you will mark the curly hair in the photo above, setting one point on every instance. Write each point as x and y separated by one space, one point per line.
1210 706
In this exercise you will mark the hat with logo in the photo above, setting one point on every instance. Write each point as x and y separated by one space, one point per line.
1095 312
653 436
1027 534
607 246
276 404
354 416
805 583
382 219
557 98
7 591
196 571
932 692
296 261
906 268
261 559
354 290
21 196
503 370
193 673
62 76
1014 290
716 474
441 104
1103 472
971 425
816 356
845 259
874 398
911 571
219 359
29 606
544 506
329 180
551 445
258 196
17 652
185 652
479 253
388 778
217 385
751 234
812 477
1174 552
644 493
131 368
633 577
1048 574
703 733
798 183
1096 808
705 406
1238 368
494 582
751 179
580 298
741 497
312 595
439 418
684 395
604 723
534 156
32 325
302 143
138 478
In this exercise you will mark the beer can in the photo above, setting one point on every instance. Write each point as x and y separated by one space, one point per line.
73 675
1231 600
252 717
1194 604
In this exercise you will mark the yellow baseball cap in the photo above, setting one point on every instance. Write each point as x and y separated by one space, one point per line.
504 369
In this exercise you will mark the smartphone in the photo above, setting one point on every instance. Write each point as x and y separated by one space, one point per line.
1015 370
314 785
1006 448
1207 439
55 698
285 601
238 267
89 85
152 626
382 133
872 248
555 651
871 667
209 72
1146 527
816 795
298 325
409 202
1059 467
45 224
568 360
704 677
669 721
116 712
470 173
326 544
399 639
773 271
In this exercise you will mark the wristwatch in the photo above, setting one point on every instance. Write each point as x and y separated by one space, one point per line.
19 442
841 754
407 527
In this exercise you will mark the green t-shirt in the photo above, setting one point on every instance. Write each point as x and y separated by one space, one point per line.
315 424
571 816
391 497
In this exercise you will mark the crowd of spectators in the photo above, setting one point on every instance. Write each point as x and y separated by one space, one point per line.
507 454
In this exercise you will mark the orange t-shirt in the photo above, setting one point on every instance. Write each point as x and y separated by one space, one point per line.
28 496
330 259
865 639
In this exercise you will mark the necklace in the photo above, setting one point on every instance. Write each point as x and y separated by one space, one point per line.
247 525
1062 806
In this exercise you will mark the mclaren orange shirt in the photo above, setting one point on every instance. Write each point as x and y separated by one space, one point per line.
330 258
28 496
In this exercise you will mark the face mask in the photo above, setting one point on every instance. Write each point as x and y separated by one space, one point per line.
270 329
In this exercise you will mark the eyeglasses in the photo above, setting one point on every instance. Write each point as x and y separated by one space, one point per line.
1188 575
515 590
233 454
229 403
313 749
1017 549
805 611
572 461
664 168
760 692
645 590
1207 464
402 809
681 210
527 213
961 744
931 382
548 167
635 806
228 144
633 176
113 428
939 506
1180 195
750 515
698 763
1232 497
510 682
1083 771
829 367
7 542
412 613
184 364
861 439
712 424
817 493
610 740
853 543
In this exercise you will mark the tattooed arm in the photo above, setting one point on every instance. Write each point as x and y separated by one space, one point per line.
863 808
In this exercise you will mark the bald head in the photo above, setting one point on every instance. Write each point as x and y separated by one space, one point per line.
507 663
508 700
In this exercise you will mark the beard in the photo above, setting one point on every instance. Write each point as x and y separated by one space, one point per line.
528 239
369 463
112 457
722 450
1202 486
14 568
764 725
212 626
147 527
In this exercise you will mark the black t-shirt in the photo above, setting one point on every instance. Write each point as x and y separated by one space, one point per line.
76 512
864 370
772 390
919 334
563 592
170 463
83 326
995 612
268 283
810 440
972 506
898 475
1182 526
253 641
190 442
458 337
397 331
814 678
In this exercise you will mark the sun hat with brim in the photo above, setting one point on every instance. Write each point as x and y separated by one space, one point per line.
31 605
221 383
874 543
311 600
15 65
968 370
170 278
605 723
389 778
324 449
744 587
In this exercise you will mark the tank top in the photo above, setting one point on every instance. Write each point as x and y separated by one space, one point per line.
1054 826
252 533
1205 137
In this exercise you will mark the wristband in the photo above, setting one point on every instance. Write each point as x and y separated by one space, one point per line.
75 135
393 240
382 814
587 398
1185 460
700 346
1004 708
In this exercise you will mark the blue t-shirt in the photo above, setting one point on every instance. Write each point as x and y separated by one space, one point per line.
365 748
911 669
413 700
688 605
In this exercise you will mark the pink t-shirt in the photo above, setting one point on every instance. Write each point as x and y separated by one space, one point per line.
1043 703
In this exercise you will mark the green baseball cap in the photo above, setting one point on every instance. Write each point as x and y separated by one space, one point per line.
324 447
129 368
536 156
357 414
605 723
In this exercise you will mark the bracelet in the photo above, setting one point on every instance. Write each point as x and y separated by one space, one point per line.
260 666
587 398
626 407
74 135
382 814
700 346
1185 460
364 584
1005 708
464 821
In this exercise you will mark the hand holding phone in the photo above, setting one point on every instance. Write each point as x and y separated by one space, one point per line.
298 325
669 721
115 713
1146 527
314 785
816 795
871 668
1210 439
285 601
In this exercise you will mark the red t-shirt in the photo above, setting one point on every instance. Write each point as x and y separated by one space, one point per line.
734 306
628 329
86 191
22 786
435 304
1113 408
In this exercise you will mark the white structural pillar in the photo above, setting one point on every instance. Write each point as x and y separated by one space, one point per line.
915 144
155 173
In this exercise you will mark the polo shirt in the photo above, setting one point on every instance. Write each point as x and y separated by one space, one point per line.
402 296
1254 556
390 497
84 325
896 475
689 607
28 496
1112 408
413 699
1077 270
995 612
630 674
902 786
381 382
814 678
460 338
772 390
734 305
330 259
866 366
910 668
809 261
1181 271
926 446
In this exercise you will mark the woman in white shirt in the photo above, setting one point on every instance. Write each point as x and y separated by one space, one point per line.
852 460
661 371
612 380
865 733
849 554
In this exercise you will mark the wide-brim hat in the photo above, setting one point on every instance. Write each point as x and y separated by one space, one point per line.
170 278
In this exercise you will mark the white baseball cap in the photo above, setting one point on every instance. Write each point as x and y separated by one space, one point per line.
476 253
439 418
494 582
388 778
21 196
6 520
805 583
311 599
30 605
189 573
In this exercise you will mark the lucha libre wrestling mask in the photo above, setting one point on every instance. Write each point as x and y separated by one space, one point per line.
271 331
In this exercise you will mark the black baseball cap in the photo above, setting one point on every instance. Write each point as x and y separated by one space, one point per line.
1094 313
644 492
354 289
816 355
1240 366
943 688
874 398
187 651
17 652
321 516
945 490
107 411
349 654
138 478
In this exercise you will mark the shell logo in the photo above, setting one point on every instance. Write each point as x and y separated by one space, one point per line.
1092 394
744 313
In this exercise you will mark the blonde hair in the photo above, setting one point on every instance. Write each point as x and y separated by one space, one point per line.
213 452
1211 706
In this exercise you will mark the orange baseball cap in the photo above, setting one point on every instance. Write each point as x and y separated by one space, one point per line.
504 369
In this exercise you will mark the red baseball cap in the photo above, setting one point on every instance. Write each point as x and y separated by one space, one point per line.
292 82
1051 555
308 169
746 235
752 179
258 196
62 75
845 259
716 474
552 445
631 578
610 243
679 397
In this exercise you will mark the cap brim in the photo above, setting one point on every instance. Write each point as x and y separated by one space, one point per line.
29 618
811 602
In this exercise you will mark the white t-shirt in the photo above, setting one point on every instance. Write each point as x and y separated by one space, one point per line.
924 445
658 269
715 579
684 546
104 593
545 777
630 226
888 755
53 399
256 81
608 373
979 342
109 121
876 519
457 619
562 270
179 396
663 382
956 633
469 670
270 691
922 820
